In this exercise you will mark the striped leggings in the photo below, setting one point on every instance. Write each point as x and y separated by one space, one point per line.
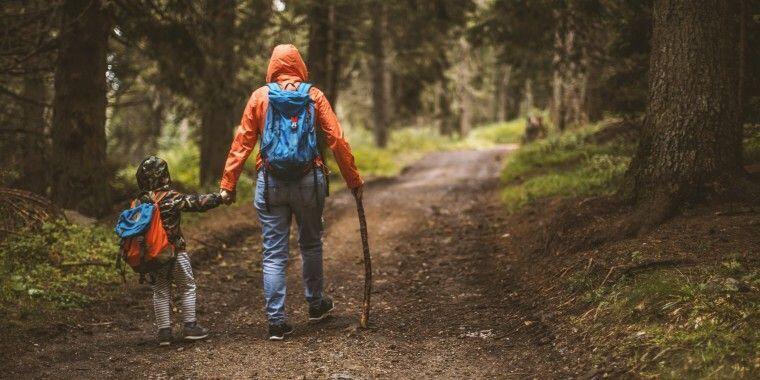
182 276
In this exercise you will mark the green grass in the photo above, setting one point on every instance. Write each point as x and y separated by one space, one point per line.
698 324
35 266
564 165
509 132
752 144
405 145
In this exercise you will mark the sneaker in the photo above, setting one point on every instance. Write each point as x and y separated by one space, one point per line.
318 313
278 332
165 336
194 331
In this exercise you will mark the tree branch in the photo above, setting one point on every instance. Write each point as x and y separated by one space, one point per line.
18 97
22 130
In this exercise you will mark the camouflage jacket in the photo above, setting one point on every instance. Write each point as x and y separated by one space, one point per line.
173 204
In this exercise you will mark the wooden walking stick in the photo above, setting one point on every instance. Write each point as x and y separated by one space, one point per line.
364 320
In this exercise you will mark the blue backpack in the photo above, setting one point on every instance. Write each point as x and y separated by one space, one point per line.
289 144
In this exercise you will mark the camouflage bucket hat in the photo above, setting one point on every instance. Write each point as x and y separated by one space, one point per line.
153 174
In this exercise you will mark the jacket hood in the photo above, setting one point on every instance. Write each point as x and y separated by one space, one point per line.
286 64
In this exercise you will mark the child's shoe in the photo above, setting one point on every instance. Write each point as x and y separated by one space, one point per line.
165 336
194 331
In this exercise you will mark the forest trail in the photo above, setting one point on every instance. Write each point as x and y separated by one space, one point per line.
440 307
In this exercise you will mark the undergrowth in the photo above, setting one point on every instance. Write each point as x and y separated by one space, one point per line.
61 266
568 164
751 152
695 323
698 321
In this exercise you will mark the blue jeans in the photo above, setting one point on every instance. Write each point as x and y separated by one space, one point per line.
302 199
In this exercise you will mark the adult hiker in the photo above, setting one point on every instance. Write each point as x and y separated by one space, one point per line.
287 116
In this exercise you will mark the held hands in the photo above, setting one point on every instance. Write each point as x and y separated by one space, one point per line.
358 192
228 197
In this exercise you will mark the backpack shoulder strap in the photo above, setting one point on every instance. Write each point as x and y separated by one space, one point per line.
158 196
304 88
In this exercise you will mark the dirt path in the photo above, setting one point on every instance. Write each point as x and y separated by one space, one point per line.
440 308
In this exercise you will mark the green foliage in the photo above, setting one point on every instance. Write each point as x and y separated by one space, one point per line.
183 159
497 133
35 267
752 144
570 164
700 324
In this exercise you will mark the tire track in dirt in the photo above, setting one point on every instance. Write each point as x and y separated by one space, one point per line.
441 307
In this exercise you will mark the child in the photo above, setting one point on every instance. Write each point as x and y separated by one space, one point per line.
155 183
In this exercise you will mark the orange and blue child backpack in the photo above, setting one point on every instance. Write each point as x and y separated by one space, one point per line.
144 243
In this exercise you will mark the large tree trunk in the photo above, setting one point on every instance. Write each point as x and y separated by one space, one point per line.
218 102
692 134
324 48
79 108
381 78
31 147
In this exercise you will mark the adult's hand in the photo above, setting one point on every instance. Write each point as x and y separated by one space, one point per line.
228 197
358 192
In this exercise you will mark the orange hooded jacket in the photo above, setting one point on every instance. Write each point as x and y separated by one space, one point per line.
287 69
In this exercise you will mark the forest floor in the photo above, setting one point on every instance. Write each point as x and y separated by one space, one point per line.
439 308
462 289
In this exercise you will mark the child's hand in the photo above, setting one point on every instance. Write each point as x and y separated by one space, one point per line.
228 197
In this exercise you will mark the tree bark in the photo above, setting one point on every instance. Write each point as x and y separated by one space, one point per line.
443 106
218 103
380 76
324 48
692 136
504 75
31 148
79 108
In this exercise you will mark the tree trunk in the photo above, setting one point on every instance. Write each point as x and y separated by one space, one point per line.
217 122
324 48
381 89
31 146
465 70
443 105
692 135
79 108
217 102
570 64
504 74
526 108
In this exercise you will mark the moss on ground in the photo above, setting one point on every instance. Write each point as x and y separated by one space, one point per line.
696 323
566 165
60 266
751 151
